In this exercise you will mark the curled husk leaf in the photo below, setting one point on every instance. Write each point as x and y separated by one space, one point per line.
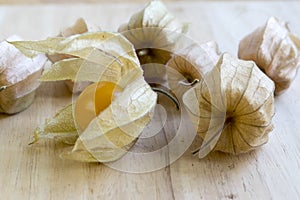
232 107
154 32
191 64
60 127
101 56
275 50
98 55
18 78
79 27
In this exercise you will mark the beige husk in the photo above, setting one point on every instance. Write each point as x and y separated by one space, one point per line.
190 64
275 50
20 74
109 136
99 56
232 107
154 32
79 27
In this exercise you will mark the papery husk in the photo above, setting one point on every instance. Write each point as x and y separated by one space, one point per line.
232 107
152 27
109 136
79 27
61 127
154 31
99 57
275 50
20 74
190 64
113 60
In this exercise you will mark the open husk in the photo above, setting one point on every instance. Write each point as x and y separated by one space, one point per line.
109 136
101 56
275 50
18 77
98 55
232 107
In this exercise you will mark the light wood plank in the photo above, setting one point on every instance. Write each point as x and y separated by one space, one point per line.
37 172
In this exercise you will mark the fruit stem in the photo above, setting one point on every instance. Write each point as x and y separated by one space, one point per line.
143 52
3 88
163 90
194 82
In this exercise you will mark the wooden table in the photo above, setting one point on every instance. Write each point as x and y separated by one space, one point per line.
37 172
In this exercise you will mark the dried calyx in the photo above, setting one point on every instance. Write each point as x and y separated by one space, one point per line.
232 107
275 50
153 31
18 78
98 133
188 66
79 27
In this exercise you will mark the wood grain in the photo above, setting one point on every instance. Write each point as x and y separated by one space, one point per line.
37 172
